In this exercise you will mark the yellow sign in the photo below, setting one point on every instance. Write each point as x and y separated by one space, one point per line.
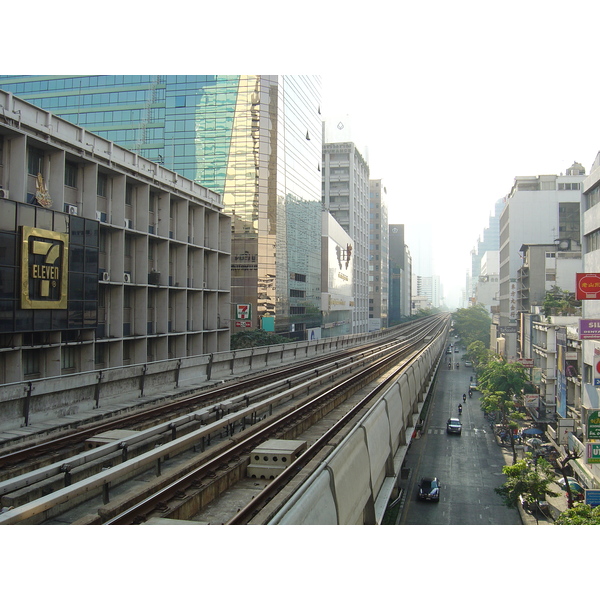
44 268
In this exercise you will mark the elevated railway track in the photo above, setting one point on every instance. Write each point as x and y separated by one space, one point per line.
174 465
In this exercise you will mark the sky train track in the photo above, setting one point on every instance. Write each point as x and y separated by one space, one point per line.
35 450
157 469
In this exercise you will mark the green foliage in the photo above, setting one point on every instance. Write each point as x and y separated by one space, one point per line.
581 514
473 324
249 339
560 302
500 376
478 353
527 478
508 416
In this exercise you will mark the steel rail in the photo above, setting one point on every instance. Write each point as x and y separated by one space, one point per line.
21 513
144 414
231 406
139 512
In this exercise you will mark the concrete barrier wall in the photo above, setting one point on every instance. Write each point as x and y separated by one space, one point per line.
378 435
351 476
359 466
395 410
37 401
316 508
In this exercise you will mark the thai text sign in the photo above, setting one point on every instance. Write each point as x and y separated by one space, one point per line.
593 425
593 453
592 497
587 286
589 329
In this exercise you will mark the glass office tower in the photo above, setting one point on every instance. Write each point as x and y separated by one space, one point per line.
254 139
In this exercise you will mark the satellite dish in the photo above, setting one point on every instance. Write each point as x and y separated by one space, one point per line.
564 245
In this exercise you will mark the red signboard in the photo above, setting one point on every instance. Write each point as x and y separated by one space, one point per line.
588 286
243 323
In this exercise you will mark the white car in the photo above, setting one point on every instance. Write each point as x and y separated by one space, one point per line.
454 426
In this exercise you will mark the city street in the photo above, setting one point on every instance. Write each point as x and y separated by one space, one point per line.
469 466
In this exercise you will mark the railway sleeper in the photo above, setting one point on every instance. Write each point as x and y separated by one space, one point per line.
36 491
208 488
39 489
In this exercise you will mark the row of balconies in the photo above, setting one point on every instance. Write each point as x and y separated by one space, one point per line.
128 329
154 278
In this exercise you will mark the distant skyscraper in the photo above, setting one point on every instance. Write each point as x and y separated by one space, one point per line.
400 276
378 256
255 139
346 197
490 241
419 237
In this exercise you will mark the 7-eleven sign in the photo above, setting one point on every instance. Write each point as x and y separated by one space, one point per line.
243 311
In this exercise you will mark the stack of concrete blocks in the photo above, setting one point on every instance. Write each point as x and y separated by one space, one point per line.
272 457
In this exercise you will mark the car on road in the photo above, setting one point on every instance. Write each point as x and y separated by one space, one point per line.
468 363
429 489
454 426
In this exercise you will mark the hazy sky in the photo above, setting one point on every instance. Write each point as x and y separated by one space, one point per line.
453 99
456 99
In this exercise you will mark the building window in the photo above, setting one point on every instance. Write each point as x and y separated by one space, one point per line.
71 175
297 310
99 354
297 294
129 194
68 357
592 241
34 161
102 185
592 198
31 362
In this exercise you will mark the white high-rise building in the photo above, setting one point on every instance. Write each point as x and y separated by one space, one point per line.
543 209
428 287
346 197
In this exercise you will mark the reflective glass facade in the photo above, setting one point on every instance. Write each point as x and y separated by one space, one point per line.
255 139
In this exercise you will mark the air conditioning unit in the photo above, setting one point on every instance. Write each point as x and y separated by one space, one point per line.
127 277
70 208
154 278
4 194
106 276
128 223
101 216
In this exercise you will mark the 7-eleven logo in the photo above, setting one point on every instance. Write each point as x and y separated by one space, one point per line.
44 268
243 311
